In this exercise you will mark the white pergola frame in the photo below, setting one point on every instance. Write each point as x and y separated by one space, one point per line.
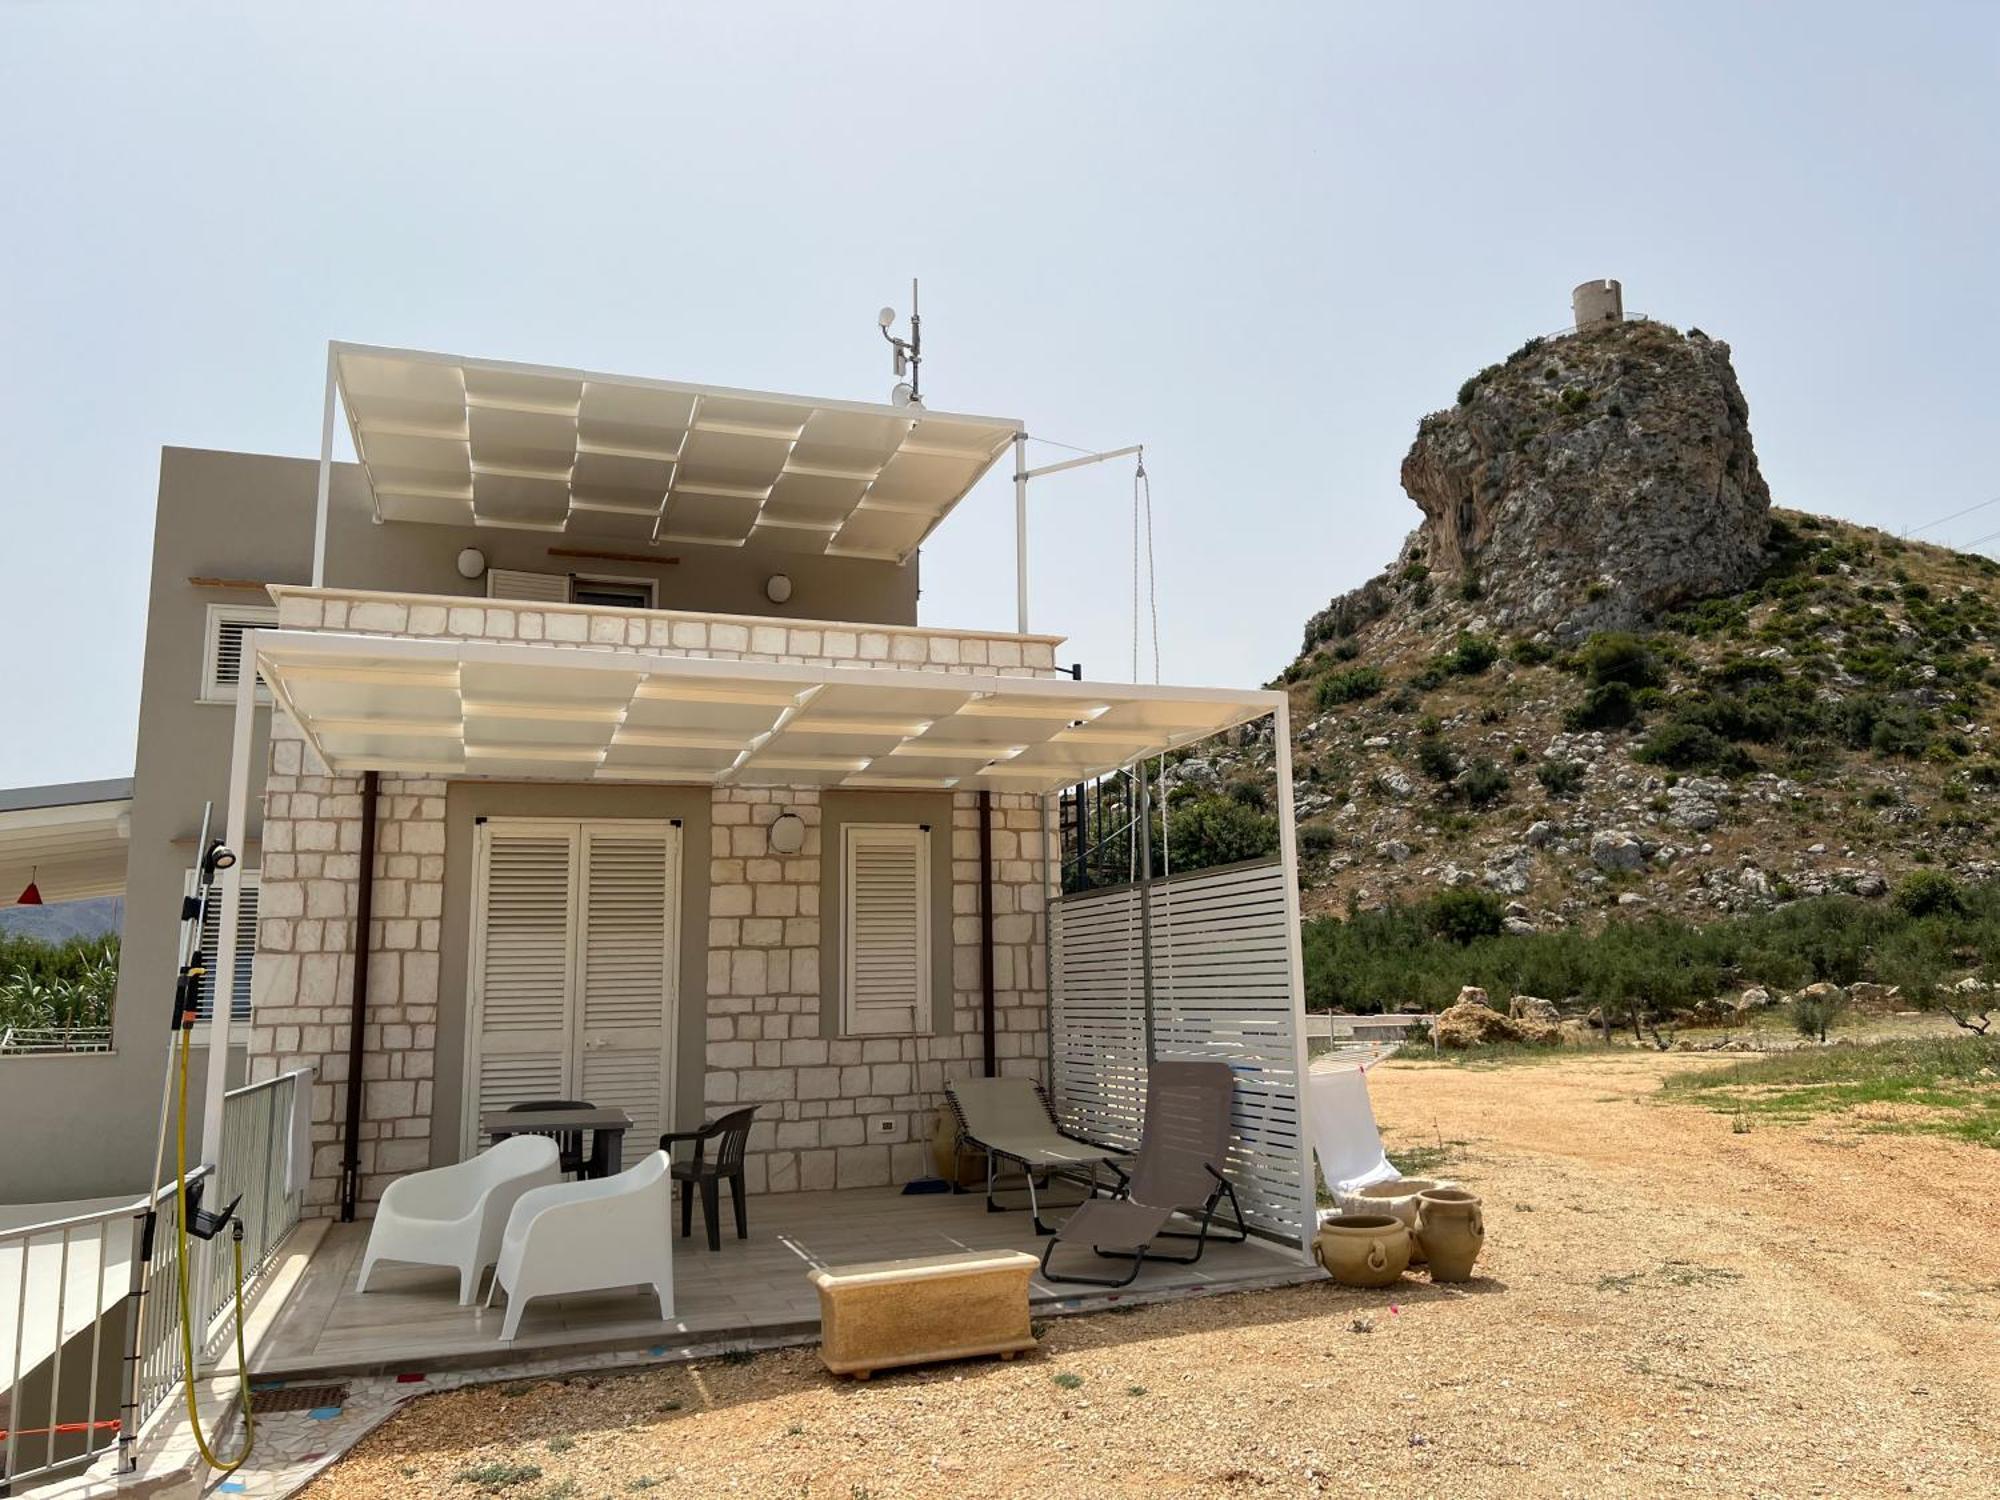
261 648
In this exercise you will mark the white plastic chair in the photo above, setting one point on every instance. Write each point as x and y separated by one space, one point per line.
590 1237
455 1216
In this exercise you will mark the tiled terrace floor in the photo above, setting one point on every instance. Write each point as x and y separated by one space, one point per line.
753 1290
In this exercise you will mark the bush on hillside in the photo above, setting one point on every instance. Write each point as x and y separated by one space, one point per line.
1219 831
1610 706
1464 914
1349 686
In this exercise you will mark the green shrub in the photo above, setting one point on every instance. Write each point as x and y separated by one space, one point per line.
1812 1014
1929 893
59 985
1687 746
1560 778
1464 914
1436 759
1611 706
1529 652
1573 399
1317 838
1473 654
1619 656
1219 831
1481 784
1350 686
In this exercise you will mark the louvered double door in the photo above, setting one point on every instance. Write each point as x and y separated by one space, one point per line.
575 951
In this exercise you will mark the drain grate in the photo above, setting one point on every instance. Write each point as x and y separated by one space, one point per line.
297 1398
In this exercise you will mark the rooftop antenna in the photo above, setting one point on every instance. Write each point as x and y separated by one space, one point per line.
909 353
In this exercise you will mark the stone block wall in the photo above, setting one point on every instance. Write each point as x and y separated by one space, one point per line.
765 1039
767 1044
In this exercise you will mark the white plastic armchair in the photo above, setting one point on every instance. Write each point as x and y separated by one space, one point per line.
590 1237
455 1216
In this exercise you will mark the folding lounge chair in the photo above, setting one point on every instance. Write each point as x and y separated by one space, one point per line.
1011 1119
1186 1138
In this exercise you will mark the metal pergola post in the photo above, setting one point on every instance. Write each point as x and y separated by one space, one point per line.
1022 474
325 474
1288 858
1145 814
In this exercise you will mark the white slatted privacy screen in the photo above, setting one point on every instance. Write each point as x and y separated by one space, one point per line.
246 946
1222 988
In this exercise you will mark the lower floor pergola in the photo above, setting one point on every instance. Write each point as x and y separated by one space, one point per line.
751 1293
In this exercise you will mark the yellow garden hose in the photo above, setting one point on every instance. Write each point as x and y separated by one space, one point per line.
187 1304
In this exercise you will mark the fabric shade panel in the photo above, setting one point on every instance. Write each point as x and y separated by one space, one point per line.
458 441
491 709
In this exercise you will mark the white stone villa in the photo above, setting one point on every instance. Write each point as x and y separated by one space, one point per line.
581 742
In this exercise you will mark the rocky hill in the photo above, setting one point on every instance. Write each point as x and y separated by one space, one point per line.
1603 673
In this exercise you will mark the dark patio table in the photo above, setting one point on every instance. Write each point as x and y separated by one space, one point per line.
607 1129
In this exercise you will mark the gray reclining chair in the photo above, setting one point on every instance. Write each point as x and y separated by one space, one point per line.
1179 1170
1010 1119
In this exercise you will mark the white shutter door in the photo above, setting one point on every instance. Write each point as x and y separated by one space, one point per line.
523 957
886 928
626 966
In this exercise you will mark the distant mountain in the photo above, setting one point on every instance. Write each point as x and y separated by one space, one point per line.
59 921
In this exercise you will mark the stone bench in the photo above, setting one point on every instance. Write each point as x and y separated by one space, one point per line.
919 1311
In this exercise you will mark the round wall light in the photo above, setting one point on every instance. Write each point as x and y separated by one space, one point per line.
471 563
778 588
788 833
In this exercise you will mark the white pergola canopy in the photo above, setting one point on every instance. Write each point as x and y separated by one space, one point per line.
470 708
460 441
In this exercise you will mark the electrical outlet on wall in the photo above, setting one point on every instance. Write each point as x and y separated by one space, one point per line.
884 1130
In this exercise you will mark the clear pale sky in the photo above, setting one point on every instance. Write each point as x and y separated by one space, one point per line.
1263 240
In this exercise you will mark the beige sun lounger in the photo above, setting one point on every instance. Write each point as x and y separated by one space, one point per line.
1011 1119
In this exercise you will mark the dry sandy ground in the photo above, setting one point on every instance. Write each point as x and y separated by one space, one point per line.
1665 1308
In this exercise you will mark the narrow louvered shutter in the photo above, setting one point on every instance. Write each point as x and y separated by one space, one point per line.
523 953
625 972
885 928
246 945
511 583
222 651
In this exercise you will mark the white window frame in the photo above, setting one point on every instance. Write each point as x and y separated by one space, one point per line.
246 944
250 616
918 837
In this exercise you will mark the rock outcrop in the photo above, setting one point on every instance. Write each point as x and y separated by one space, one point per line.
1589 482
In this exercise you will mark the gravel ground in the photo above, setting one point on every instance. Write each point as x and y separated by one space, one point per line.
1666 1307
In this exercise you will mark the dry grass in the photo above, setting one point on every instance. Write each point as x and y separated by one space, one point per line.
1667 1307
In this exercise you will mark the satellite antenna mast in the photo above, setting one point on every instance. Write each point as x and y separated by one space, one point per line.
908 358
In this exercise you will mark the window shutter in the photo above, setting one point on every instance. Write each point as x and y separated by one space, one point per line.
246 946
523 945
625 979
540 588
222 651
886 929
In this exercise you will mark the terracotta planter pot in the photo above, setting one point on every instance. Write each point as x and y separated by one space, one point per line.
1453 1232
1398 1198
1363 1249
